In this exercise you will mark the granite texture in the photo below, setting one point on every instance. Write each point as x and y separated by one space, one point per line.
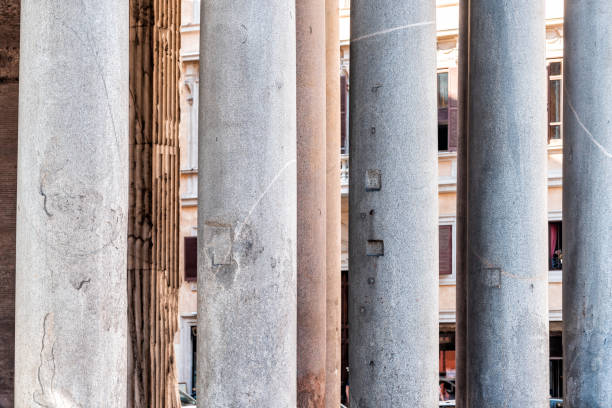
311 203
393 209
71 295
333 208
247 205
587 204
507 272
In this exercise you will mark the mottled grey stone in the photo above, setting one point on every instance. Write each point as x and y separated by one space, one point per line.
507 275
71 294
393 216
247 183
587 204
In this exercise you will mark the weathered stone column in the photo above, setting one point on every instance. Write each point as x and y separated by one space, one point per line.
311 202
587 204
393 210
507 274
247 205
71 295
333 197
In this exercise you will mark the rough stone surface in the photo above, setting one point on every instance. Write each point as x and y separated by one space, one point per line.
507 273
333 209
71 311
247 211
587 204
153 216
9 88
393 210
311 203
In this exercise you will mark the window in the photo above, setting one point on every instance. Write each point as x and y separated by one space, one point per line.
446 249
556 365
344 142
442 111
442 90
555 249
555 100
191 259
448 110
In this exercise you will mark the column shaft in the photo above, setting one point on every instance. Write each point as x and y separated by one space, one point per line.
9 101
587 204
393 211
461 237
71 295
247 205
311 199
333 197
507 274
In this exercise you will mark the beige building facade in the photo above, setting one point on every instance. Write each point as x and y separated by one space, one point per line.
447 65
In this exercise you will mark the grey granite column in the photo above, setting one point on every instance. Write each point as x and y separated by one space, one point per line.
311 203
247 205
393 210
71 294
333 356
507 273
587 204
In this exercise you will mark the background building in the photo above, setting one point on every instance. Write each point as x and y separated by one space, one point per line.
447 50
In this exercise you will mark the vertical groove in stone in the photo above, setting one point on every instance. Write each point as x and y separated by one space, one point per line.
247 215
393 210
507 274
72 213
333 206
587 204
311 202
153 273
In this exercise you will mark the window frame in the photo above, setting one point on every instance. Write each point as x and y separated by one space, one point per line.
450 279
445 109
549 80
554 275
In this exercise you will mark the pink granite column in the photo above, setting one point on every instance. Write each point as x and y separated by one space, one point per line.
311 193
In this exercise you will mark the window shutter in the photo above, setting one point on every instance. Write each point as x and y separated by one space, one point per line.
191 258
453 108
343 92
446 249
548 95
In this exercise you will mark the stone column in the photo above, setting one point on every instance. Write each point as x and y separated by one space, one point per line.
247 205
9 96
393 210
587 204
333 196
71 294
461 238
311 202
507 273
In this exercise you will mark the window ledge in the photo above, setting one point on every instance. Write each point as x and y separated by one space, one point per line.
555 276
447 154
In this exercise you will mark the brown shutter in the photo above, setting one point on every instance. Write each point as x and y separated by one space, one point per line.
343 94
191 258
453 108
446 249
548 95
